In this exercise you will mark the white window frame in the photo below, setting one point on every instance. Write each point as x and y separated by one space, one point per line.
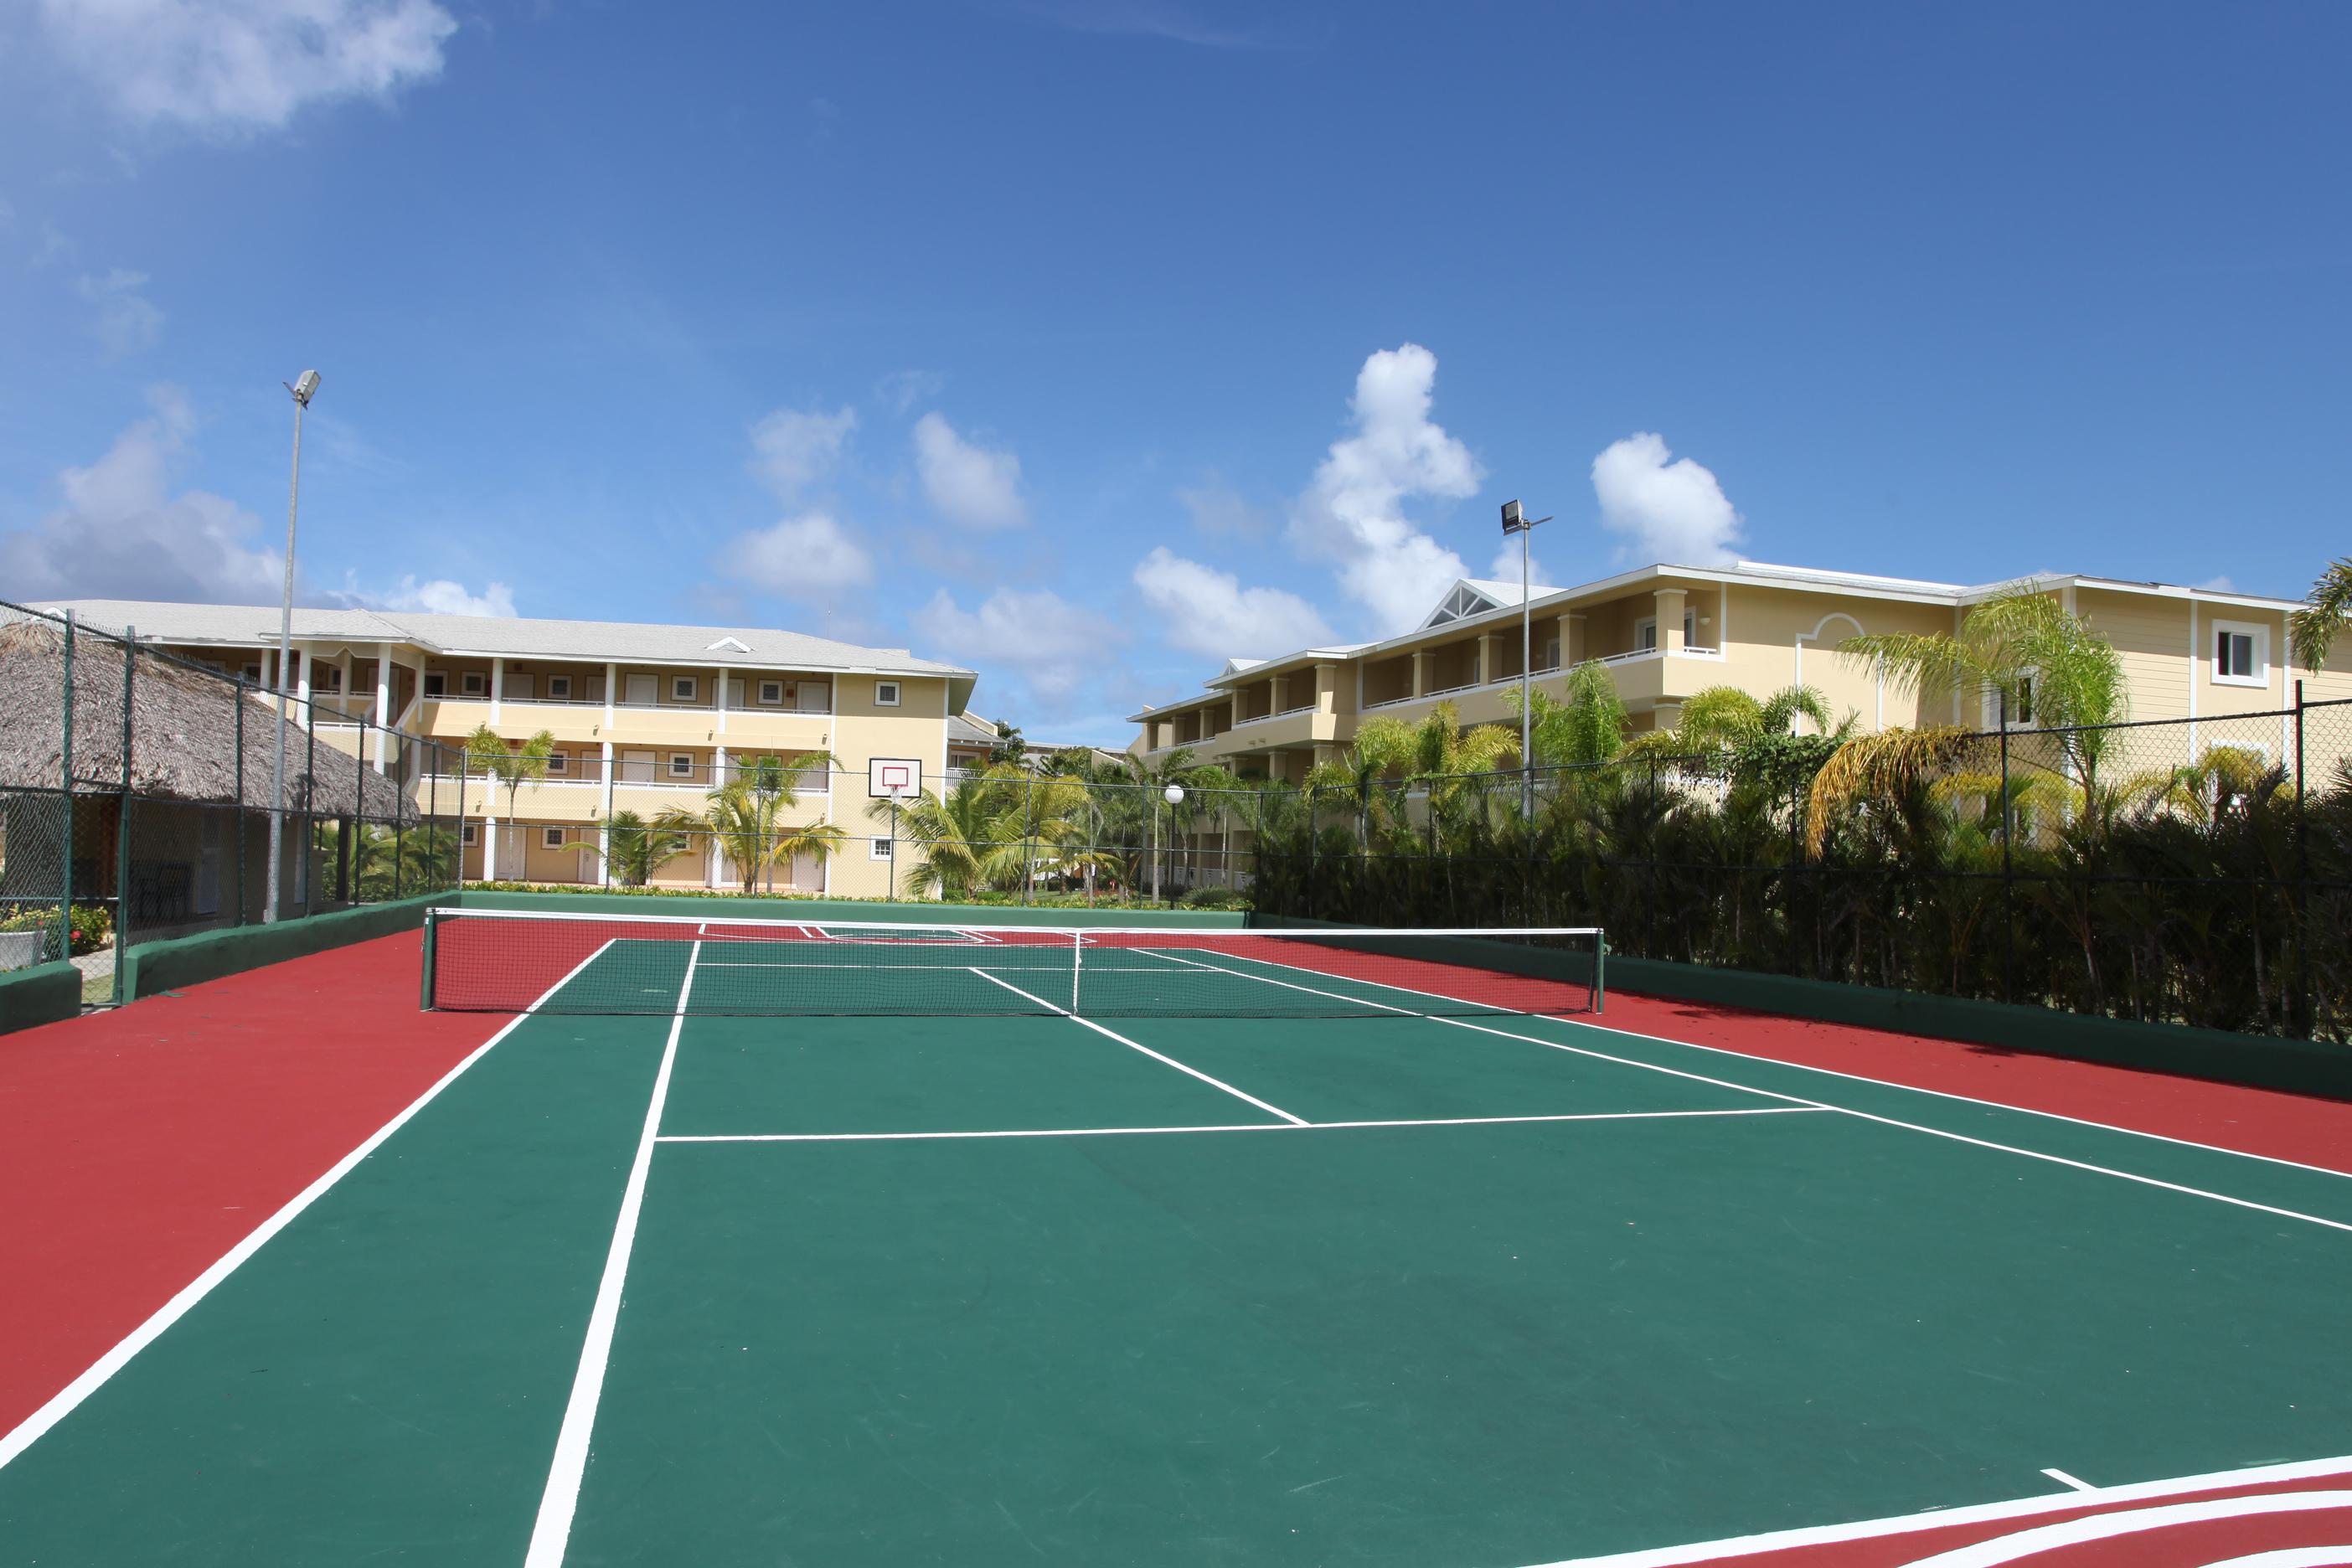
551 838
471 835
893 688
2258 635
685 688
1645 635
559 763
474 683
771 693
2017 721
253 674
879 849
436 683
670 763
328 678
559 689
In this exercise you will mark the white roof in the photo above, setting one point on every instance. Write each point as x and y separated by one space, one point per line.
620 642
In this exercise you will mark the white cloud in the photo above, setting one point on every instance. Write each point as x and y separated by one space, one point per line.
810 557
127 320
1669 513
1220 512
1205 611
1353 513
246 65
1505 568
2218 585
1054 644
123 534
902 389
791 450
969 484
443 597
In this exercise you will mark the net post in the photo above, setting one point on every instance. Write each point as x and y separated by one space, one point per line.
425 996
122 821
1077 962
1600 962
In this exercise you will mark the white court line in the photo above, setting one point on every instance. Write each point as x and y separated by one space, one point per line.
1807 1067
1940 1518
1147 1050
1230 1127
1841 1109
561 1498
61 1405
2063 1479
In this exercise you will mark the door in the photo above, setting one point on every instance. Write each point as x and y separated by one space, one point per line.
816 697
637 767
735 694
641 688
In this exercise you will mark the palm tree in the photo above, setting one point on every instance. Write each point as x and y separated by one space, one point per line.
1381 746
2050 667
964 840
2312 628
501 762
743 817
777 783
633 848
1585 725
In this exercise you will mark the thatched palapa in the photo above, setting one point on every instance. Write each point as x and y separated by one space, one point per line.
184 733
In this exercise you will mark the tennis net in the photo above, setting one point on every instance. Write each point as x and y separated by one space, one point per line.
511 961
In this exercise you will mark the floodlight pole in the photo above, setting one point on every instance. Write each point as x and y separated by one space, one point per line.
304 388
1516 521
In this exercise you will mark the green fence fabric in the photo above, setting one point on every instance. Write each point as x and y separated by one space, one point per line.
186 960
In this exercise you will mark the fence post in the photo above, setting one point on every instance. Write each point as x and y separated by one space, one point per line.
1028 827
2008 882
1314 848
309 805
66 794
2306 1004
122 818
238 726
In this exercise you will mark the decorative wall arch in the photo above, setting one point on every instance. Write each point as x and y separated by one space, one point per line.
1821 627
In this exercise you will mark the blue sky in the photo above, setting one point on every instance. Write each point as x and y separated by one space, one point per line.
1087 343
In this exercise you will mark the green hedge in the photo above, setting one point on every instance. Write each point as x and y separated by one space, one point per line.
158 966
41 995
715 906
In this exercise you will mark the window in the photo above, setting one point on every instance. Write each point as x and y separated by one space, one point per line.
551 838
1551 653
2242 654
327 677
1645 634
2020 706
885 694
681 765
559 689
473 683
472 835
436 684
253 675
772 692
877 849
558 764
682 687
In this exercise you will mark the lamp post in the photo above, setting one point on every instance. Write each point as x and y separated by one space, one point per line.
1518 522
1174 795
304 388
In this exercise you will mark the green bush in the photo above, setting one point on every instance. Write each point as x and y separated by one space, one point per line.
92 924
1216 899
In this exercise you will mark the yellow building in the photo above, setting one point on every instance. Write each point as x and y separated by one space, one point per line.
1665 632
643 717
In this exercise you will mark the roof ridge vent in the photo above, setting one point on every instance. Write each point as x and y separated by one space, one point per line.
728 644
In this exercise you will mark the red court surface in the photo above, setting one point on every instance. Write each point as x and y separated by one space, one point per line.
137 1147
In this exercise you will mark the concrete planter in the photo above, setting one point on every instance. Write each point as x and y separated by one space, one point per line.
21 949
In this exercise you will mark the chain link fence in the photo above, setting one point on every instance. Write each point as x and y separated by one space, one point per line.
137 789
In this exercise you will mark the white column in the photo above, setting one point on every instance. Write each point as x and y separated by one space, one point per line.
718 768
722 700
497 686
382 698
604 828
490 835
302 684
611 695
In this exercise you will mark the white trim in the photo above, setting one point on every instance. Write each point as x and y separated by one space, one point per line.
693 687
2258 637
497 687
897 693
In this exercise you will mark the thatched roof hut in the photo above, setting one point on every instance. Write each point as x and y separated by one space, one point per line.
184 733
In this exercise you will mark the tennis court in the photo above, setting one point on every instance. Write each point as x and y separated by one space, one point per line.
812 1244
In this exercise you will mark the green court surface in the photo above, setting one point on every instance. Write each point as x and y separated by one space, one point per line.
1389 1289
